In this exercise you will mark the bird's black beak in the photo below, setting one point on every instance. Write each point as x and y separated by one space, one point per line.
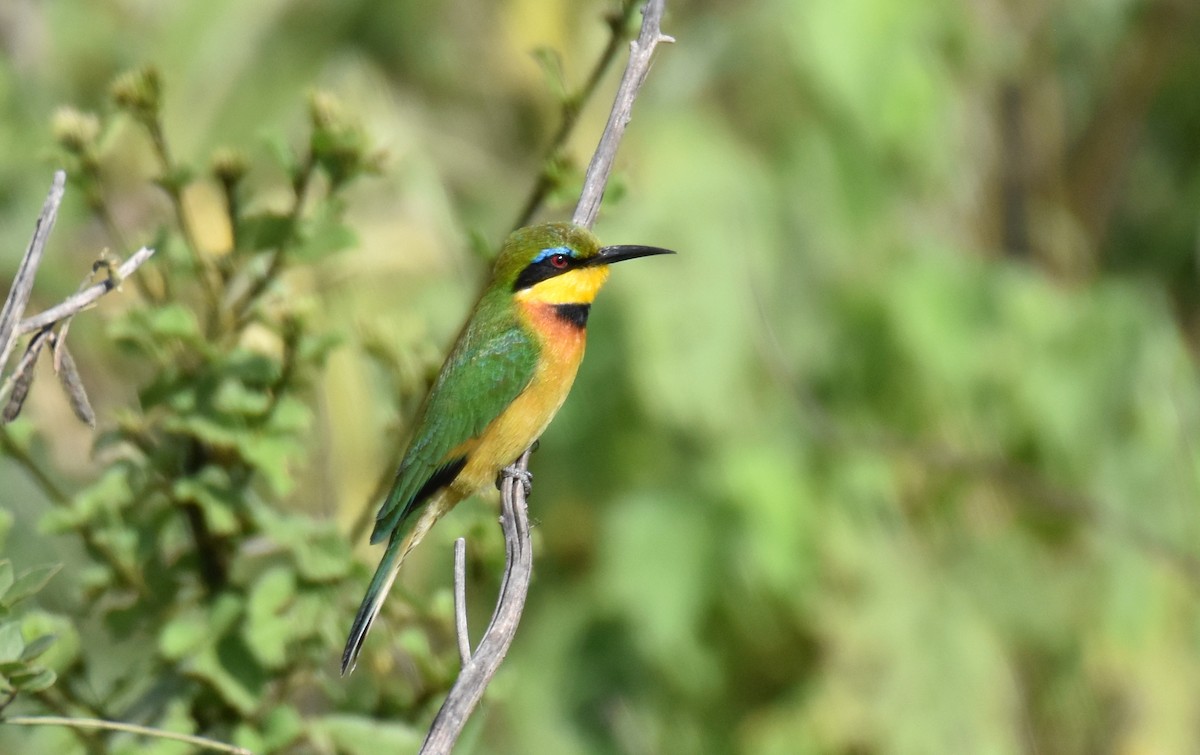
611 254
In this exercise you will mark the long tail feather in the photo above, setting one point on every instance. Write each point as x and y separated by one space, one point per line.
385 575
381 583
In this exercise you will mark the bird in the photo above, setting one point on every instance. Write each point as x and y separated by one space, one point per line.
505 378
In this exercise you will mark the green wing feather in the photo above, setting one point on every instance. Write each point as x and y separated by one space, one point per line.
491 363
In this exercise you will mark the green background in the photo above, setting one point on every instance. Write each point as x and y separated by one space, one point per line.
900 454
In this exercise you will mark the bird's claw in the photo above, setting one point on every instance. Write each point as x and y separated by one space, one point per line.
515 472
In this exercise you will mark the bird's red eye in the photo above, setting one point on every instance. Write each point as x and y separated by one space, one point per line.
559 261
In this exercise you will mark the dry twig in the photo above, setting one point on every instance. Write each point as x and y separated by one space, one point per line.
142 731
22 287
12 327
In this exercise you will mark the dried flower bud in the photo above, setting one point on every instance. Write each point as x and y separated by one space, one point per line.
229 165
338 143
326 111
139 92
75 130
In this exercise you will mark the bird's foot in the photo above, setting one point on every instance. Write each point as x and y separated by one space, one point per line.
515 472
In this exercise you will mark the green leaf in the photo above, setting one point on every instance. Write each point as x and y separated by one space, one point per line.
174 321
121 544
21 433
270 455
550 61
94 579
233 397
326 236
306 613
59 521
170 388
183 635
29 583
271 592
176 180
66 646
279 147
282 725
211 430
35 679
249 738
198 627
212 491
324 557
319 552
37 647
315 348
266 632
111 493
291 415
11 642
233 673
252 367
267 230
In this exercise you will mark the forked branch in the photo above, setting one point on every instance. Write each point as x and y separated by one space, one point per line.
43 325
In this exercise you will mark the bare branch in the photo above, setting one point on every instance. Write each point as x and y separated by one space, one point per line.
80 301
641 51
18 296
478 670
16 387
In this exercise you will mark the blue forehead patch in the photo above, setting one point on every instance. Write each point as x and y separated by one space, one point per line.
553 251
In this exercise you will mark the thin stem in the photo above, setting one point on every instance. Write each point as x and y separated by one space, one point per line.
81 300
573 106
232 209
91 740
204 269
301 186
460 601
145 731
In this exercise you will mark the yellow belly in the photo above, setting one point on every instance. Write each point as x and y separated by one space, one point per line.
527 417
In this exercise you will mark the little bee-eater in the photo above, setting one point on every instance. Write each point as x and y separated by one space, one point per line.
506 377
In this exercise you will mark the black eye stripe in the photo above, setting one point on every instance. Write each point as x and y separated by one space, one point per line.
536 272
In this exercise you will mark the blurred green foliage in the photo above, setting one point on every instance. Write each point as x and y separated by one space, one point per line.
24 641
899 455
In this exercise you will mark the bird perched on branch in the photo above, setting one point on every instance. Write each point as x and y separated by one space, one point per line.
505 378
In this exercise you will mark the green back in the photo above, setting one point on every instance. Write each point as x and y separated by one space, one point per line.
490 364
